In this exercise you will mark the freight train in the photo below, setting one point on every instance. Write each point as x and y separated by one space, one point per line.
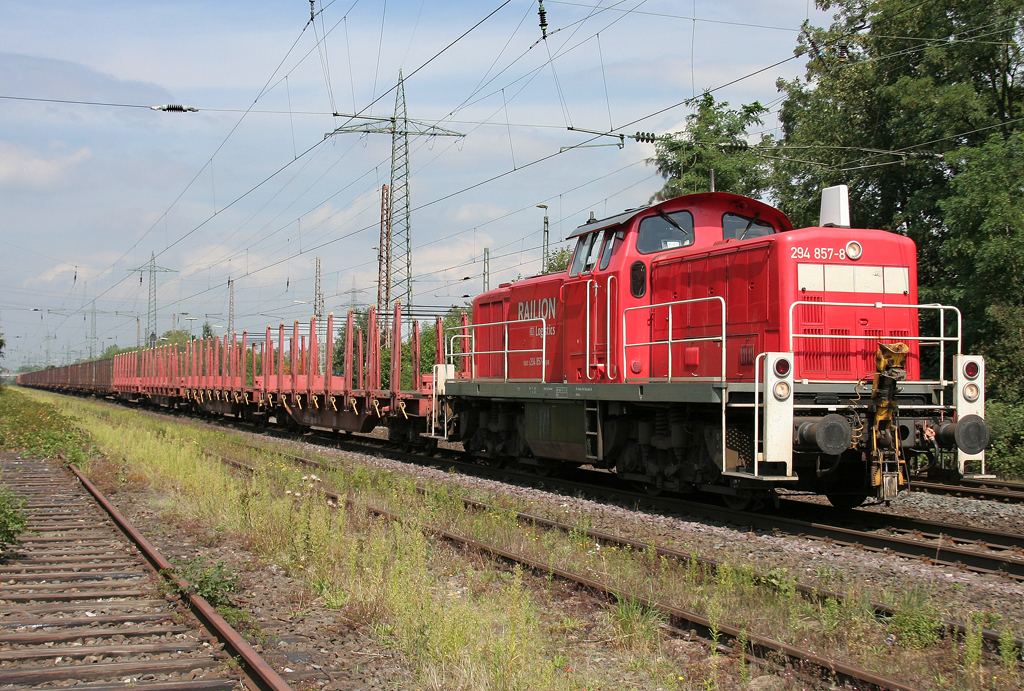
697 344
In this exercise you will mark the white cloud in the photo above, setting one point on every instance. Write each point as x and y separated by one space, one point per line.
21 166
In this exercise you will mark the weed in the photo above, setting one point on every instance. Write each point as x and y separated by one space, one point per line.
916 624
741 649
973 642
12 519
243 622
215 583
636 626
27 423
1009 653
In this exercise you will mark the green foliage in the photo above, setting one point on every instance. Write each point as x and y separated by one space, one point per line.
428 347
559 259
215 583
1006 426
917 107
207 330
685 159
27 424
12 520
916 623
177 337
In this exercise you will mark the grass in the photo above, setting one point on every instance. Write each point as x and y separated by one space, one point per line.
464 623
28 424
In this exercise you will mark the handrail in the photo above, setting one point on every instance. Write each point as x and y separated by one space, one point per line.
671 341
608 325
757 410
505 352
939 340
586 343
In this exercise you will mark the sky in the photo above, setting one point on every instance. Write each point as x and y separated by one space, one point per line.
250 187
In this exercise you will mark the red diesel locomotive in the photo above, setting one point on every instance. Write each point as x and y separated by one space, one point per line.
702 343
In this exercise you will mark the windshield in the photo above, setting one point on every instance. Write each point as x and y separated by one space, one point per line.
657 233
744 227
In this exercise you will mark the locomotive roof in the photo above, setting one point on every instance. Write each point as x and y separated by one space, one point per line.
603 223
700 198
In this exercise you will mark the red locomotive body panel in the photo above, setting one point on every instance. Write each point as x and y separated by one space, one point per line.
646 292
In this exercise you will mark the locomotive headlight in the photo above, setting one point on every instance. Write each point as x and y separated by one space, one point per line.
971 393
781 390
853 249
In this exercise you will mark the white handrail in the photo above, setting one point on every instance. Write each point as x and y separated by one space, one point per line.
506 351
671 341
757 410
939 340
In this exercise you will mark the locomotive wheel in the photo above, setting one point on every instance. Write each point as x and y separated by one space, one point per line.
846 501
428 446
546 468
736 502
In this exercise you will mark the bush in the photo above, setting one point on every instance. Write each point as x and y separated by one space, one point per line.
12 519
1005 456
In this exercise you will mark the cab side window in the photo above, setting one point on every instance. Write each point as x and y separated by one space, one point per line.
739 227
587 251
611 242
658 233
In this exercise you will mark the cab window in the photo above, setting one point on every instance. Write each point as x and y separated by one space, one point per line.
587 251
739 227
612 239
658 233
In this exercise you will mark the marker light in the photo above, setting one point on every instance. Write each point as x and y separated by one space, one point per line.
971 393
854 250
782 367
781 390
971 369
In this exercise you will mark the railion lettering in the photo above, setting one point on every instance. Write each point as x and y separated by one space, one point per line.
537 309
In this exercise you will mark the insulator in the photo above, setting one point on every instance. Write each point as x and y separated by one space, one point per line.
734 146
647 137
543 19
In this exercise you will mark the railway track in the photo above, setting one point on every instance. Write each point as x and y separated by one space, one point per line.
83 600
720 636
711 565
987 490
944 544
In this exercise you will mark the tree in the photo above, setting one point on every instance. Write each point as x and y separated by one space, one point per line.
173 337
559 259
715 138
984 255
893 89
207 330
2 344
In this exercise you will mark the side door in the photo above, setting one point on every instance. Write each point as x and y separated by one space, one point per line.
586 303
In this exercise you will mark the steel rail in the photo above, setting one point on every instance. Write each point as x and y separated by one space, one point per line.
941 554
811 592
755 645
254 668
684 506
1007 496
